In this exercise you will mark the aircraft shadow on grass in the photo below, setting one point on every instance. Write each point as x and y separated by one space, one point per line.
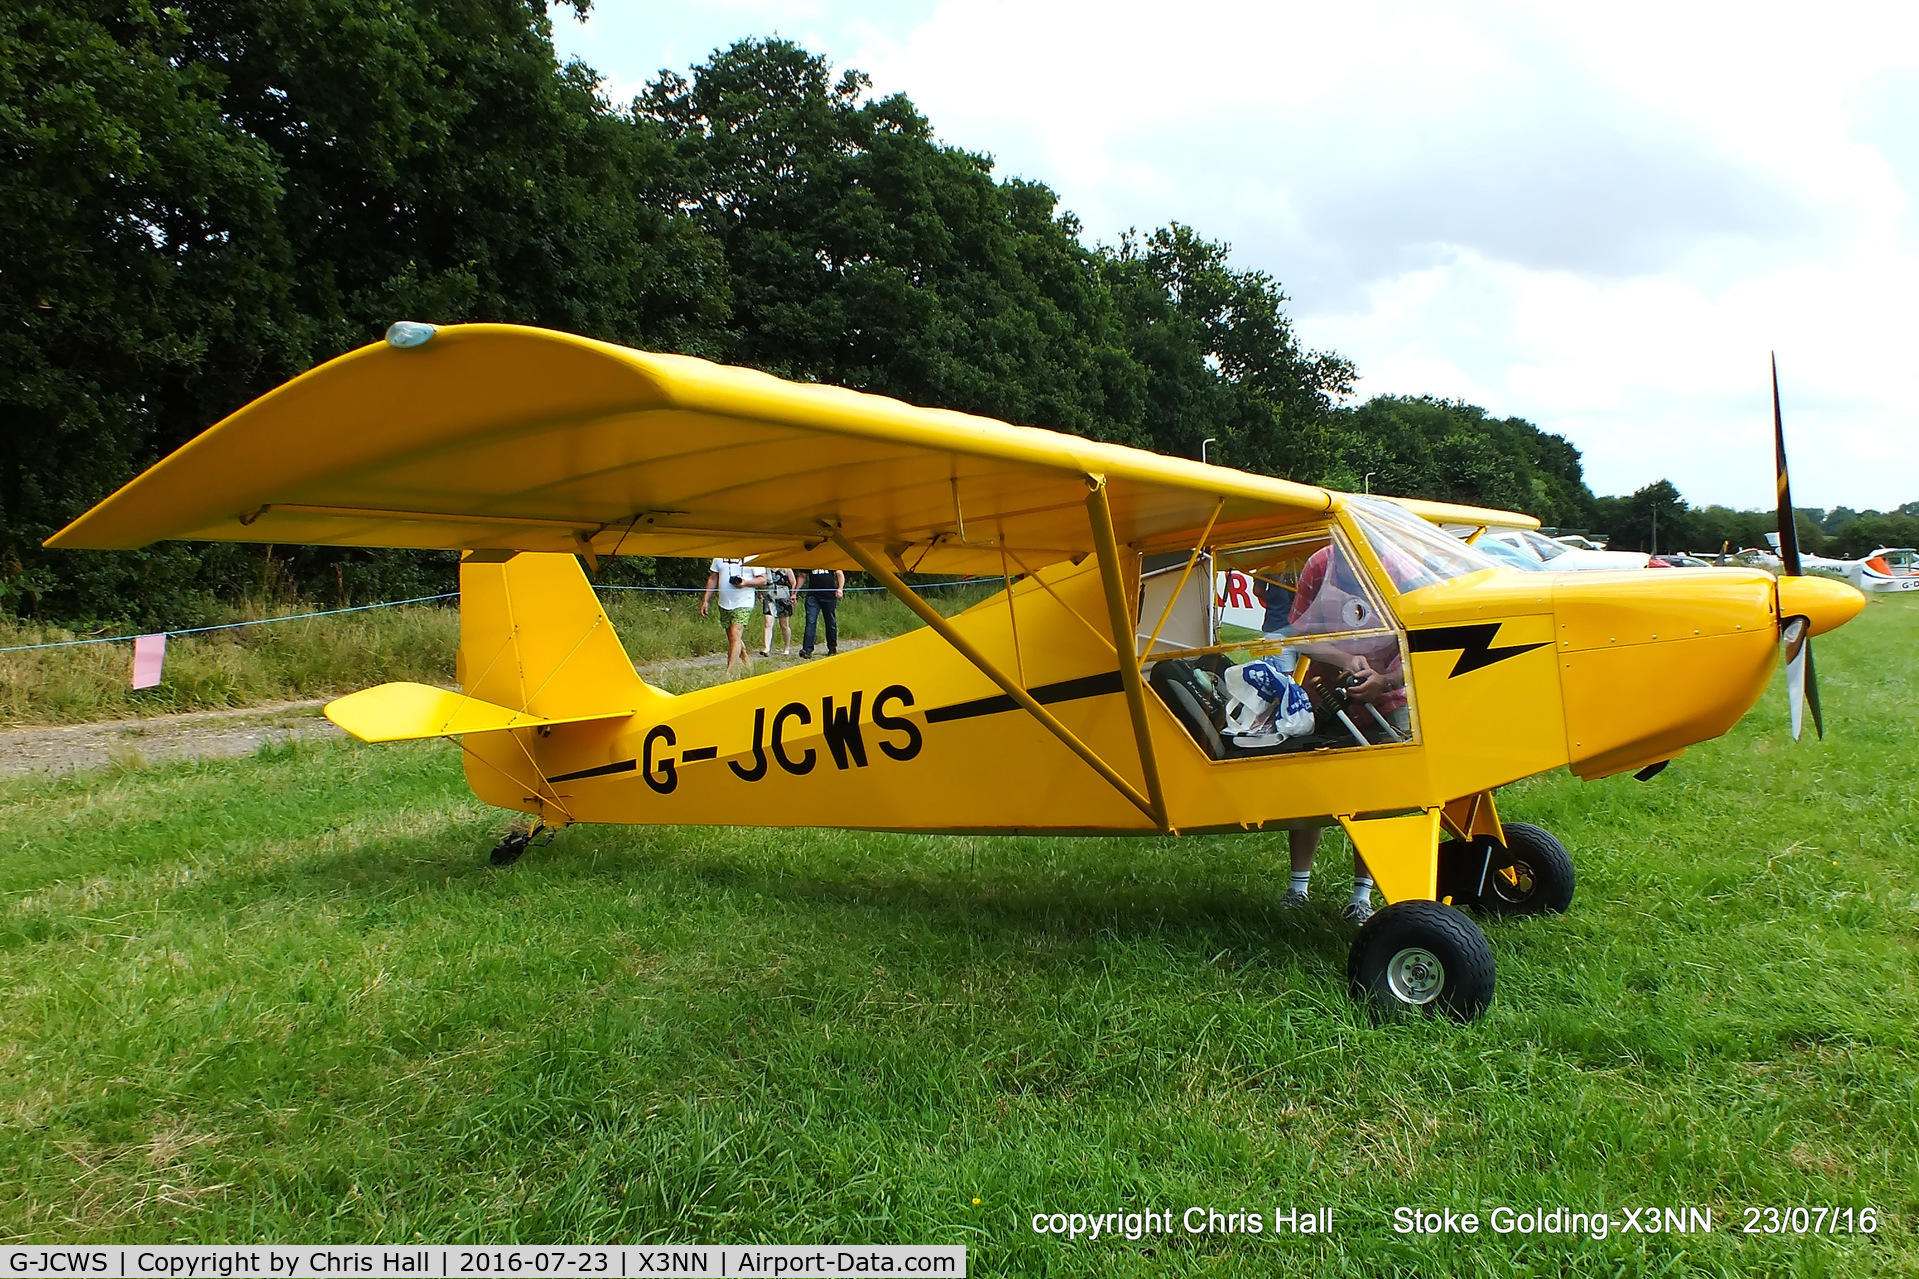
1039 919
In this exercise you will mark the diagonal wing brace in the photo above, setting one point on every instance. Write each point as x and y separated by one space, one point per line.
1011 687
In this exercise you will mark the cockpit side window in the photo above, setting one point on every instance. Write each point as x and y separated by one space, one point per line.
1307 655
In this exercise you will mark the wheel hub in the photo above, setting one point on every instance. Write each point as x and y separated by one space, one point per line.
1415 975
1515 883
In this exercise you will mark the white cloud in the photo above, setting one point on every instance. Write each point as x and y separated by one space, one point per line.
1597 218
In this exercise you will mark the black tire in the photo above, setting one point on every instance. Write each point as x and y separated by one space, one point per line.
1422 957
1537 878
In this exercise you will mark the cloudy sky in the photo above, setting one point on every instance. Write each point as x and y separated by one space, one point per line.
1599 218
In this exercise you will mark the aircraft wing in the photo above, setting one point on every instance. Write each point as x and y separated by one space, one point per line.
502 437
1465 521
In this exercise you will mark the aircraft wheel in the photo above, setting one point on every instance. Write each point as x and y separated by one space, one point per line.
1422 957
1539 880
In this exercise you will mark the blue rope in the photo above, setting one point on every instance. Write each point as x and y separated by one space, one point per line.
361 608
228 626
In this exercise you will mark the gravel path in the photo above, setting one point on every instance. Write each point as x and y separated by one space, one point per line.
194 735
68 748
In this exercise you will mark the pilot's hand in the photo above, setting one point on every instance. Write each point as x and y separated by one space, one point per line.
1371 684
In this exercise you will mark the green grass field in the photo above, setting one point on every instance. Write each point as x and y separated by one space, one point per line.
285 998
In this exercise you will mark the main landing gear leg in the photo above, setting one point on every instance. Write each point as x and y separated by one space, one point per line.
1417 955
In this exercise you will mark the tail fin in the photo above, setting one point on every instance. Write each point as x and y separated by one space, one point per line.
534 638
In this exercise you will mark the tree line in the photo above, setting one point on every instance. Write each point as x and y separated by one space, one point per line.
1657 516
200 201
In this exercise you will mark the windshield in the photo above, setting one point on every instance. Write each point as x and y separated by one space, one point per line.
1546 547
1511 556
1413 552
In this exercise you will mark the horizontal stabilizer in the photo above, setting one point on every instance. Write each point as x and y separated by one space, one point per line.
407 712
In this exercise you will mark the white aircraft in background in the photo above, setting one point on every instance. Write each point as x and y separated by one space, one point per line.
1888 569
1558 556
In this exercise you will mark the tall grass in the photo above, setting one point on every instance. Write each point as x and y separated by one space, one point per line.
327 656
315 657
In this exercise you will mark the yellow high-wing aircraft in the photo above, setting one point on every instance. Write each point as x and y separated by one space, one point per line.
1402 675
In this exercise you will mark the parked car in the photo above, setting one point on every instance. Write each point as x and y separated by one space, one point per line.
1677 559
1510 556
1557 556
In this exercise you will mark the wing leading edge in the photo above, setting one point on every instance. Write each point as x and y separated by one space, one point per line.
504 437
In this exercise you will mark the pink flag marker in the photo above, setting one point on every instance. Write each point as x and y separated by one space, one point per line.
149 653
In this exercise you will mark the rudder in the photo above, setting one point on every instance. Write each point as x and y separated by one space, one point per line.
533 637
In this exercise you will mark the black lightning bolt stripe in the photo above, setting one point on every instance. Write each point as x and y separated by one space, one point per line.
1067 690
1474 644
624 766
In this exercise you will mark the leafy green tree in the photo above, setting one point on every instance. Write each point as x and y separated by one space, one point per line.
1721 528
1654 517
1220 357
1872 530
144 281
1445 450
199 202
862 252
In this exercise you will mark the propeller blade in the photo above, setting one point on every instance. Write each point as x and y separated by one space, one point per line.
1812 693
1797 650
1788 524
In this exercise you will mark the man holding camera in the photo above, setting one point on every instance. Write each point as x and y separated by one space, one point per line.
735 581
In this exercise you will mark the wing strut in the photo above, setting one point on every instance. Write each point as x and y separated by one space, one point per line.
1106 545
1011 687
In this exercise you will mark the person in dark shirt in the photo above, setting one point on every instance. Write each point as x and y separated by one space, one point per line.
824 589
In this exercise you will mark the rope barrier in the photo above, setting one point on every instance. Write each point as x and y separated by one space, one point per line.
228 626
362 608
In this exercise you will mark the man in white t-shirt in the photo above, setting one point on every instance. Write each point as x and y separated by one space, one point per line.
735 581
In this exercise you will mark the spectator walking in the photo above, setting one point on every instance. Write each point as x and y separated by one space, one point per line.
825 587
776 601
734 581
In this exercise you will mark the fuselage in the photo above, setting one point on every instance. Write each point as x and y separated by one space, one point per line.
1508 674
